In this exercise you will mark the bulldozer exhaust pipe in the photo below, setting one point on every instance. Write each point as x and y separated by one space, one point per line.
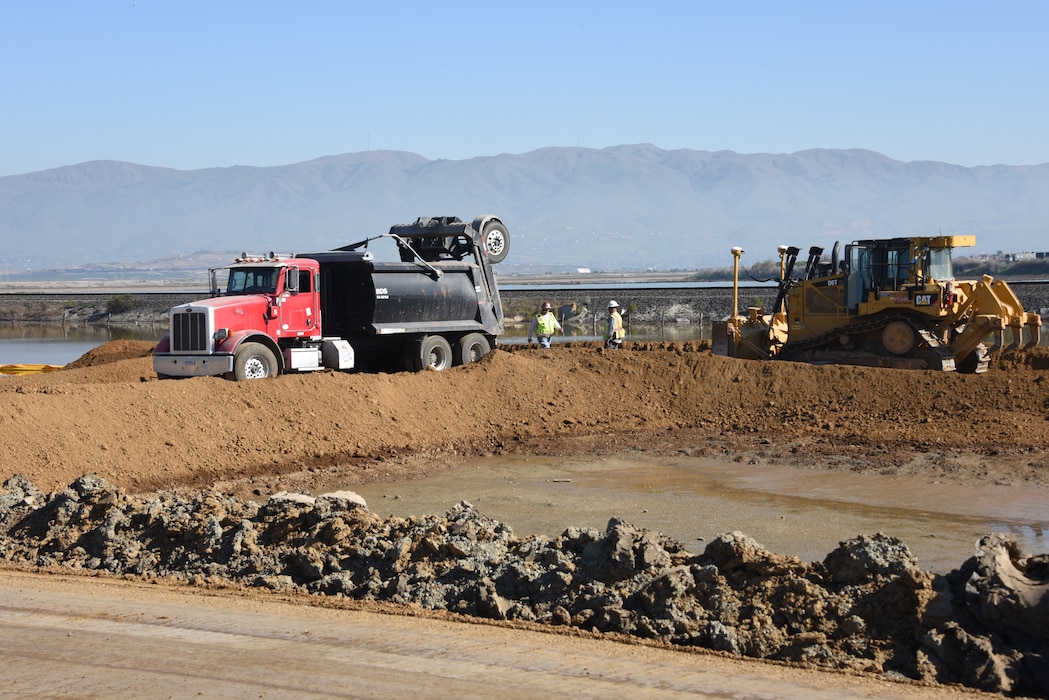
736 253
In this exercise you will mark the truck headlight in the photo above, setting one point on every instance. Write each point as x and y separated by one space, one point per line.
220 335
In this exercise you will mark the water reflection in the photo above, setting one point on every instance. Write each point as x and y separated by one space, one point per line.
1031 538
57 344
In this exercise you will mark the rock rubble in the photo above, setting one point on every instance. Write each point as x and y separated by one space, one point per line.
866 606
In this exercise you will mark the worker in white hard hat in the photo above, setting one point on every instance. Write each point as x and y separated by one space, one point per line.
544 325
614 334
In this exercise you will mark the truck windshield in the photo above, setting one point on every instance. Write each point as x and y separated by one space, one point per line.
252 280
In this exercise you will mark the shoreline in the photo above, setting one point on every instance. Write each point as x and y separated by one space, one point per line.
646 305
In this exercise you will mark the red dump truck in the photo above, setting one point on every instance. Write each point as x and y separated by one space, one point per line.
341 309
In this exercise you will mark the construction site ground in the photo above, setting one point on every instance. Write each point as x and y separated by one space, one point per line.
108 415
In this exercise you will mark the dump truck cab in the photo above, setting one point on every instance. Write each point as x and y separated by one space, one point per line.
268 302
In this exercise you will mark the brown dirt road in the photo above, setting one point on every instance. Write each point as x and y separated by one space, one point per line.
128 639
107 414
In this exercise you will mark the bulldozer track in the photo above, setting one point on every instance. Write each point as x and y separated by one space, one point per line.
929 345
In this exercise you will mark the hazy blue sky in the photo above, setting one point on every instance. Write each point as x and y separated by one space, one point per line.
188 84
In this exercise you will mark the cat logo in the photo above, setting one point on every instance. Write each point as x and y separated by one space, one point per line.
923 299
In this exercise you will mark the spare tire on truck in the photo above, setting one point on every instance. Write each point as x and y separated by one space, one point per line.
496 241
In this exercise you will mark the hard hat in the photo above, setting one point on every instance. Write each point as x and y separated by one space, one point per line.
613 304
546 306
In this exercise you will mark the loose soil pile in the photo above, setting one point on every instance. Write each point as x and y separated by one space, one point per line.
866 606
108 414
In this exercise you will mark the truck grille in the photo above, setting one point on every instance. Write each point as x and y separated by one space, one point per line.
189 332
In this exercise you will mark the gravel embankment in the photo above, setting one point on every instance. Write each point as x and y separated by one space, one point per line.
696 305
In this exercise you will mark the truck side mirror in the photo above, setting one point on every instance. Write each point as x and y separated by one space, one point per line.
291 280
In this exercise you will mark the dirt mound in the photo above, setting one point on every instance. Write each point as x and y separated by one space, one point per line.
113 351
1033 358
115 419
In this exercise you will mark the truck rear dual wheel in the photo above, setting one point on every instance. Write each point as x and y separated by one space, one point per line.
254 361
471 348
430 351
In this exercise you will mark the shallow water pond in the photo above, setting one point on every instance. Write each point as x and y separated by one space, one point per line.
789 511
55 344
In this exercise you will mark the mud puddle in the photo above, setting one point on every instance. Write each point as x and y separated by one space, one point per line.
789 511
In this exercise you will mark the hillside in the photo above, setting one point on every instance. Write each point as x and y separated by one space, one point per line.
624 207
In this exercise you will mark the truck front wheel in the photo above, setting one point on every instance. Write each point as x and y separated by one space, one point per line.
471 348
254 361
429 351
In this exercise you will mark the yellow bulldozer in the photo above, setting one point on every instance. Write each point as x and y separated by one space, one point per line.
884 303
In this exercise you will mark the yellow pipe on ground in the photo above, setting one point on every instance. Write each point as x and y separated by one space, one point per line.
28 368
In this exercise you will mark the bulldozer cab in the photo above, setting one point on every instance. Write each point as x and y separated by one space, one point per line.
877 266
897 264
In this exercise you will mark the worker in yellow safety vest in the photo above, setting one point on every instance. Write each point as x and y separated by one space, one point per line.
544 325
615 333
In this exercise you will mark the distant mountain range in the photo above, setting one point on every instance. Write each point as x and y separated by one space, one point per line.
620 208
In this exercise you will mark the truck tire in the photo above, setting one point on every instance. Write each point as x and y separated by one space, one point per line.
496 241
471 348
254 361
431 351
